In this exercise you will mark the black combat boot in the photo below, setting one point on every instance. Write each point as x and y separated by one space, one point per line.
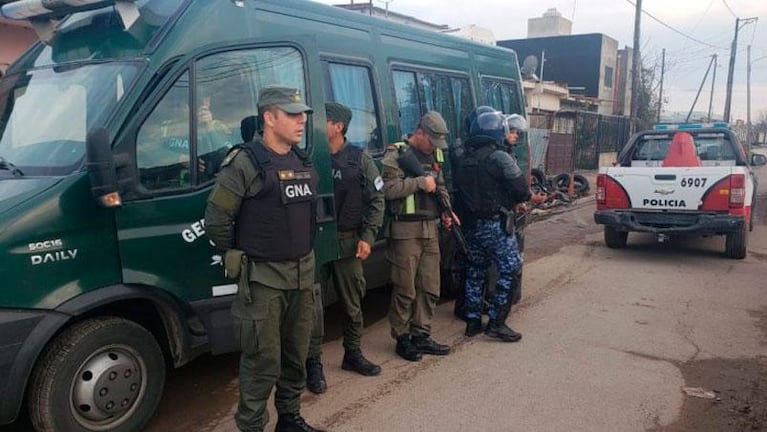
497 327
293 423
427 345
502 332
473 327
315 378
354 361
406 349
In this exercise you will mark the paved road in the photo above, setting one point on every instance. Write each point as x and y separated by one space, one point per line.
609 336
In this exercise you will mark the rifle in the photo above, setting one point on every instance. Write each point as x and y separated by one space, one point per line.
412 167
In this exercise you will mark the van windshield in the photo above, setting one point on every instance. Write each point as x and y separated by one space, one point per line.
45 114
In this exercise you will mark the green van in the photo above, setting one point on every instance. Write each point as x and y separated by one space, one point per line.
111 131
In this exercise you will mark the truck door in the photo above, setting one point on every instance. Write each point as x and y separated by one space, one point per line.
179 146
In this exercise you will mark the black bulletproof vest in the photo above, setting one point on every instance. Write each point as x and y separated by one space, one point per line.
277 224
479 194
347 187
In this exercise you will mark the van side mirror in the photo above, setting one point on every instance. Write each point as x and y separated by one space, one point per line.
758 159
101 170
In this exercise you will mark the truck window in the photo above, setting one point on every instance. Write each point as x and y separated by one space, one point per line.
418 92
715 149
225 91
352 85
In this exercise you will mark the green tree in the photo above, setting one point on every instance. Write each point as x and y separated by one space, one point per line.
647 97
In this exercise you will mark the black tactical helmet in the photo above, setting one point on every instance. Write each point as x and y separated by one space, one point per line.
473 115
490 124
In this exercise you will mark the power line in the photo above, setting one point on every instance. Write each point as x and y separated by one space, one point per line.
730 9
675 30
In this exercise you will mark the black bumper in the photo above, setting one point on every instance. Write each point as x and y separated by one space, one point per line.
669 223
23 334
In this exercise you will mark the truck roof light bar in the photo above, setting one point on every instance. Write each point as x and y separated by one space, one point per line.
43 13
688 126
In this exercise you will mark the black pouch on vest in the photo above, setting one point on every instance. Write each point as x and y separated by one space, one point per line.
508 221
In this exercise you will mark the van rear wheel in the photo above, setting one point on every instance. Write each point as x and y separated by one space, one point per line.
615 239
736 245
103 374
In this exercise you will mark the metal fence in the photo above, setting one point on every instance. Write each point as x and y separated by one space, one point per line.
567 141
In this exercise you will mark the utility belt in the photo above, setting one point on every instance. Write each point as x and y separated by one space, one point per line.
346 235
507 218
412 217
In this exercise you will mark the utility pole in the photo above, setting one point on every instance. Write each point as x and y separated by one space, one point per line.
731 71
540 81
699 90
711 96
662 72
636 67
748 99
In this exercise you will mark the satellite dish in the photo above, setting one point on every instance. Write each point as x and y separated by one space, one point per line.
529 66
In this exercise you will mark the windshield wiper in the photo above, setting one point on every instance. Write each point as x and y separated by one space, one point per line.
6 165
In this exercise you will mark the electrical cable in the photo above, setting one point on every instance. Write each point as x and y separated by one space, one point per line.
674 29
730 9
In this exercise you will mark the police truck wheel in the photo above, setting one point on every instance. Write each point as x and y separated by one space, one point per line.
615 239
103 374
736 246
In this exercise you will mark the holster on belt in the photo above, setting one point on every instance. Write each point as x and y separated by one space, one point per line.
236 265
508 221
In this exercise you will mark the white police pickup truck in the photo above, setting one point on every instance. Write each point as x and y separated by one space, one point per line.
680 179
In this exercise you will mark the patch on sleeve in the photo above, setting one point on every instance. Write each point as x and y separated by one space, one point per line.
379 183
230 157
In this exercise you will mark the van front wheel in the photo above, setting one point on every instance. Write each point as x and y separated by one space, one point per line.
103 374
615 239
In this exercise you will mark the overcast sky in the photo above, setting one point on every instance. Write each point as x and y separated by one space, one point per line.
709 21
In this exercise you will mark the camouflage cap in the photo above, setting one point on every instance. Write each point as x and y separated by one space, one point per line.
337 112
285 98
434 125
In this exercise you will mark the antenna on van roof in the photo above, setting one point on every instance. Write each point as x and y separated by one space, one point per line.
44 14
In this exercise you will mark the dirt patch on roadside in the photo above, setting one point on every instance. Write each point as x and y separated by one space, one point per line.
761 323
741 396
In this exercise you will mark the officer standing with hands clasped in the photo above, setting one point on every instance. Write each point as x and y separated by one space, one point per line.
490 184
262 212
412 233
359 213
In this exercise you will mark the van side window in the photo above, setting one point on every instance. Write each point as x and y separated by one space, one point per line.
451 97
226 91
162 144
406 92
418 92
502 95
352 86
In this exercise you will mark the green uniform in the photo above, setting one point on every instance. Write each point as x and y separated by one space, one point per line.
345 275
273 307
412 246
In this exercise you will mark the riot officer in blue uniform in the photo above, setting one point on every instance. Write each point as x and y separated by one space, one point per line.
490 184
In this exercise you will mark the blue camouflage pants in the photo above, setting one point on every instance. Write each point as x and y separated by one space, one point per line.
488 241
